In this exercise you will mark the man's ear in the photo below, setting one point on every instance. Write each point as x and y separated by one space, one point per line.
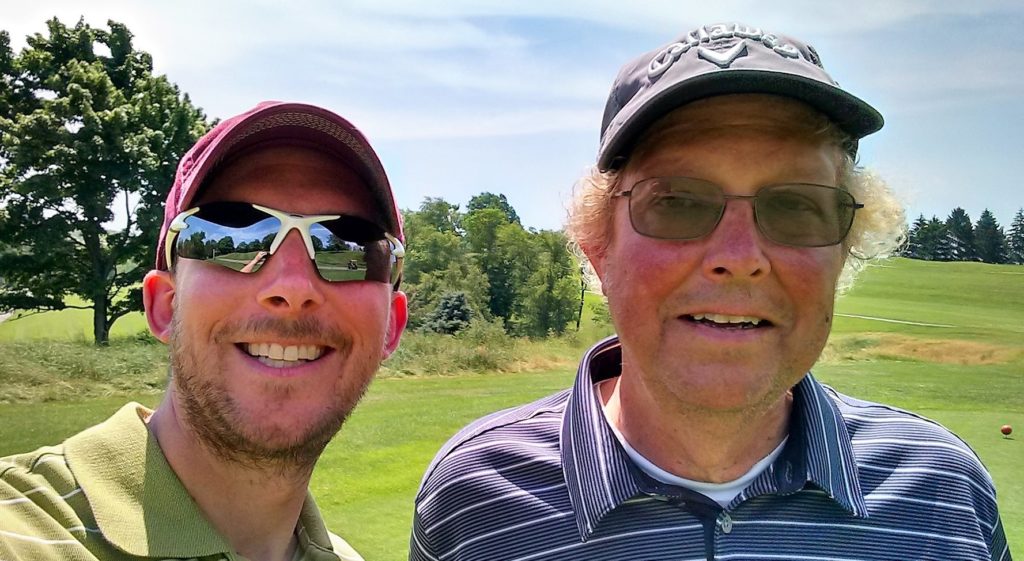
397 319
158 299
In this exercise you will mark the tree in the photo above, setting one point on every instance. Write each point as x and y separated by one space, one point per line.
929 240
527 279
961 236
490 200
462 275
451 315
81 130
1015 239
434 242
440 215
915 248
551 293
989 239
482 228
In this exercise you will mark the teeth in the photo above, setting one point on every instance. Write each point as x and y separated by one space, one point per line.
277 355
276 351
721 318
291 353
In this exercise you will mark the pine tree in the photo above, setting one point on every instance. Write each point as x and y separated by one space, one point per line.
961 236
452 314
990 241
915 239
929 240
941 245
1015 239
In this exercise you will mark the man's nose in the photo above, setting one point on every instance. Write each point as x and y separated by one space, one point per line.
291 284
735 247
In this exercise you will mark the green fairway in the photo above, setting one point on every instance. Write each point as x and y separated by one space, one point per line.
65 325
969 377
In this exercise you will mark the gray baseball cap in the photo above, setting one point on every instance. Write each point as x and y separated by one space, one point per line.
719 59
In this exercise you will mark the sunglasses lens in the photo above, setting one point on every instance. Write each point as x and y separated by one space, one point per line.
234 235
682 208
804 215
351 249
676 208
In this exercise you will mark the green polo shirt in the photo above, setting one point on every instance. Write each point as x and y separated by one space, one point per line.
108 493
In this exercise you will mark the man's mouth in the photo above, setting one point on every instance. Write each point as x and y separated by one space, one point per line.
277 355
723 321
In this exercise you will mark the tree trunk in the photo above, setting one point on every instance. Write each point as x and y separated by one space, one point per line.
100 331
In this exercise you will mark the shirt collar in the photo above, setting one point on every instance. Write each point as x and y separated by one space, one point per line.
140 505
600 476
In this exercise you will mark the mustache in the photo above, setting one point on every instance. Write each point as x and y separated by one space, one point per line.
308 328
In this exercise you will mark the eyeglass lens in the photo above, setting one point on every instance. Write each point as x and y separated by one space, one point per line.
239 237
683 208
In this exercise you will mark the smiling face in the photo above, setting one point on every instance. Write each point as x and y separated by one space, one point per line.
731 321
267 365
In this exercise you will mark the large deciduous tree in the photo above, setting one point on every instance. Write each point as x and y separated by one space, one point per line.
84 125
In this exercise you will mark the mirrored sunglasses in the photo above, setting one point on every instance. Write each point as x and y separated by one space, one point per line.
683 208
243 236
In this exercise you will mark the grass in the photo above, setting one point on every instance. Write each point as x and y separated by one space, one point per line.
967 377
65 325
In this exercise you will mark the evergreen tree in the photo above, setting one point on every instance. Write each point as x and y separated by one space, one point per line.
79 131
961 236
1015 239
989 239
915 248
929 240
939 242
452 314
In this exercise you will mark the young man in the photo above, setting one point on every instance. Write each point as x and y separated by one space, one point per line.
273 339
724 212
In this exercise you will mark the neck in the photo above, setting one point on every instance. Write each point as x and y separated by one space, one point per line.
255 508
701 445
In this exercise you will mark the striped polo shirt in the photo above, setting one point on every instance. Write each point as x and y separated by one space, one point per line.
855 481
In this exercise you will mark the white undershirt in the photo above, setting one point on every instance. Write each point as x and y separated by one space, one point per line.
721 493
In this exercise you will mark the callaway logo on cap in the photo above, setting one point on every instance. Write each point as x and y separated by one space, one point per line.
722 59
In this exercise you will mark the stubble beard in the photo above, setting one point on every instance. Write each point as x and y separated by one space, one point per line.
217 421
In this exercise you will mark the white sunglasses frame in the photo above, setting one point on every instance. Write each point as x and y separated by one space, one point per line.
289 221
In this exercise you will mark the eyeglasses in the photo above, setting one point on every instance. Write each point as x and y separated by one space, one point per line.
243 236
683 208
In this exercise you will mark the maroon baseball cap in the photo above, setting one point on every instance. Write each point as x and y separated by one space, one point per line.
720 59
268 124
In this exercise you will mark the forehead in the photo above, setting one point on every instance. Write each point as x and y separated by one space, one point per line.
728 114
293 179
733 129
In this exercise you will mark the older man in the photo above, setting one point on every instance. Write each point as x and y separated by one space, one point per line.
724 210
273 339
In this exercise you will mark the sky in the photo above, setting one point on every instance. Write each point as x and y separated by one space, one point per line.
460 97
